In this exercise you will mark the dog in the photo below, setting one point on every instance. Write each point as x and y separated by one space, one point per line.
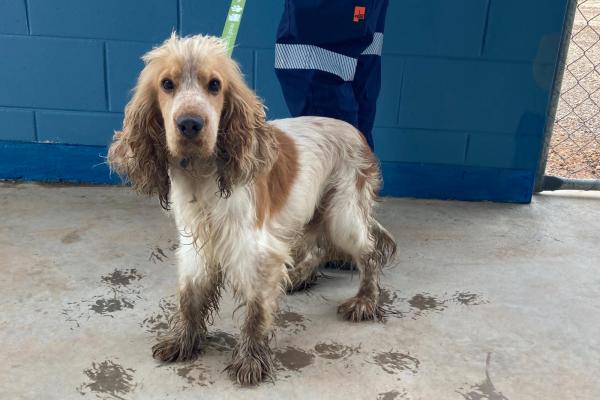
258 205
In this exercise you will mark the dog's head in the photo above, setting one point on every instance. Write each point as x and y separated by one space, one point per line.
191 105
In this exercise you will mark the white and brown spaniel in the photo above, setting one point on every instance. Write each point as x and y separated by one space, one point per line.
259 205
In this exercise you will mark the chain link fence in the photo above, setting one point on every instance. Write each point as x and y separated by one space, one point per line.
575 145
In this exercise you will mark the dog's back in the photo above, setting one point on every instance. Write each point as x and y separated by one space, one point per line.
333 198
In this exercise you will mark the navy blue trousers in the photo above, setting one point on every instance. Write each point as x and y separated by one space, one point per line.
328 59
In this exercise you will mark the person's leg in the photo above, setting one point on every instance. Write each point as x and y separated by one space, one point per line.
367 80
367 84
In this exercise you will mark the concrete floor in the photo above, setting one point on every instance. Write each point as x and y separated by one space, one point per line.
486 301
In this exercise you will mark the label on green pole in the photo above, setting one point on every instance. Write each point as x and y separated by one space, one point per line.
232 23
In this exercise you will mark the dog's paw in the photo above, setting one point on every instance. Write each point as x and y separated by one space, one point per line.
361 308
252 366
171 349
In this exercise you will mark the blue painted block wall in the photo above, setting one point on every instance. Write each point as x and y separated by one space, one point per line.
465 94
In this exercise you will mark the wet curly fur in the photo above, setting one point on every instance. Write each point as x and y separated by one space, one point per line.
252 362
188 326
361 308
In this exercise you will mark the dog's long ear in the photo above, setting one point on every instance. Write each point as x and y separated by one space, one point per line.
246 145
138 152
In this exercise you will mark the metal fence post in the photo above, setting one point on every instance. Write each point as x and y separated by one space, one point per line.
558 78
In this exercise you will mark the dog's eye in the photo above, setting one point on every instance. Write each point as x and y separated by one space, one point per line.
214 86
167 84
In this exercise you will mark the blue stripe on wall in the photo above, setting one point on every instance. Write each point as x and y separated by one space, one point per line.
436 181
54 163
85 164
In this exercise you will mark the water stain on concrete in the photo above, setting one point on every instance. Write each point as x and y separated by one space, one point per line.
157 255
388 299
155 323
469 299
122 277
194 375
426 302
221 341
71 237
394 362
293 359
109 378
291 320
107 306
335 351
120 293
392 395
484 390
159 322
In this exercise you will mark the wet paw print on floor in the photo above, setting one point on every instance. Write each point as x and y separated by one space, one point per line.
157 254
425 303
122 277
394 362
108 378
469 299
292 359
220 341
158 322
387 301
335 351
393 395
194 374
120 290
291 321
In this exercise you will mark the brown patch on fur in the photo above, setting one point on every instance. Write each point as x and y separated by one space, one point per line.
273 188
246 146
188 325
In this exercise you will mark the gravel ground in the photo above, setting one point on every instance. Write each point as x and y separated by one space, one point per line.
575 146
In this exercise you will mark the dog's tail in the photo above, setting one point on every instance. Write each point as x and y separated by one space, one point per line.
385 246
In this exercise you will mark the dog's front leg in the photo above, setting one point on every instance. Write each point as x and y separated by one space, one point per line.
252 358
199 293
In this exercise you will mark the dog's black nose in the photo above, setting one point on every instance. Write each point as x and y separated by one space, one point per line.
190 126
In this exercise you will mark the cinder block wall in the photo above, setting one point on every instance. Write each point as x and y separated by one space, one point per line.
461 115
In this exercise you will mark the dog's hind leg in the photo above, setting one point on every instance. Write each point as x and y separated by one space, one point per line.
354 231
199 294
308 255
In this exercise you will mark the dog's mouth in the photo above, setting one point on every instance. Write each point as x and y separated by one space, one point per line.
184 150
201 158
